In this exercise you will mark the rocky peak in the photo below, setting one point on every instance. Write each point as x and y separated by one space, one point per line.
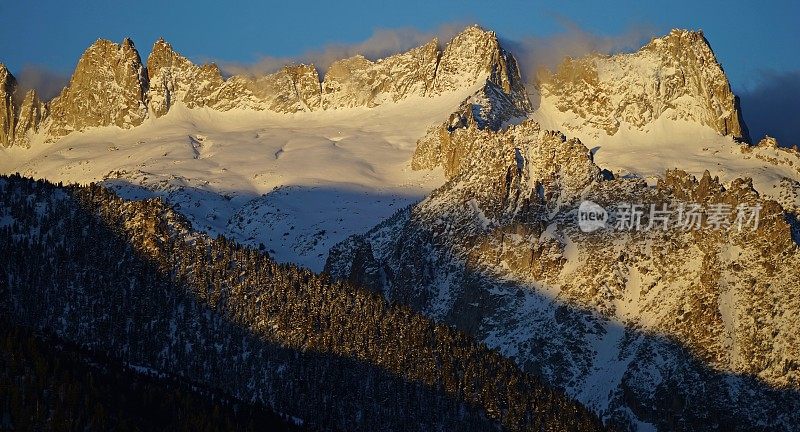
468 56
677 76
107 88
306 85
174 78
680 42
489 108
692 52
30 116
8 85
162 55
769 142
349 82
473 55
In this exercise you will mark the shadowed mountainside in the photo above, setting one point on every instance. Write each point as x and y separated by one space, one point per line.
132 278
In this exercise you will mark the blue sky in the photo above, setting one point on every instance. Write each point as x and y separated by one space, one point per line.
749 37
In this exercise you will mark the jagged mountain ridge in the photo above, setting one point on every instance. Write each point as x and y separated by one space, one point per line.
632 324
677 75
112 87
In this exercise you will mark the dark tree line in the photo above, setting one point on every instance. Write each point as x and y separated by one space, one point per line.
49 384
132 279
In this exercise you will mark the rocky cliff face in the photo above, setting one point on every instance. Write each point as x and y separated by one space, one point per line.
173 78
489 108
108 88
30 116
676 76
360 82
470 57
292 89
632 323
7 87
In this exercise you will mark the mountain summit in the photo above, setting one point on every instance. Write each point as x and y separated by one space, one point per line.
676 76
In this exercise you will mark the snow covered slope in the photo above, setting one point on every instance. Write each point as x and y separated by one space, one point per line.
297 183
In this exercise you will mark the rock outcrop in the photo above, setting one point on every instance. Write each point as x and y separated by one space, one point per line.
357 81
30 116
676 75
8 86
489 108
292 89
173 78
473 55
108 88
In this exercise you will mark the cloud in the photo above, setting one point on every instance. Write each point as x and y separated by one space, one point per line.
772 107
535 53
382 43
46 82
532 52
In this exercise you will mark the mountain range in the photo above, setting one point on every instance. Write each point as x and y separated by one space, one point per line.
448 180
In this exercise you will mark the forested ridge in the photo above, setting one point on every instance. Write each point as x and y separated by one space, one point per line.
132 278
49 384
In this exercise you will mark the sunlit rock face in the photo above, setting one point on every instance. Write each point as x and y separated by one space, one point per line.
292 89
7 87
111 87
108 88
30 116
676 75
175 79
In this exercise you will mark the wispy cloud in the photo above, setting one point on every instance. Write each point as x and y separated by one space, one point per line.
772 107
532 52
47 82
535 53
382 43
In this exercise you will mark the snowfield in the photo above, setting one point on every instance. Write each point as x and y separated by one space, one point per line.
296 183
